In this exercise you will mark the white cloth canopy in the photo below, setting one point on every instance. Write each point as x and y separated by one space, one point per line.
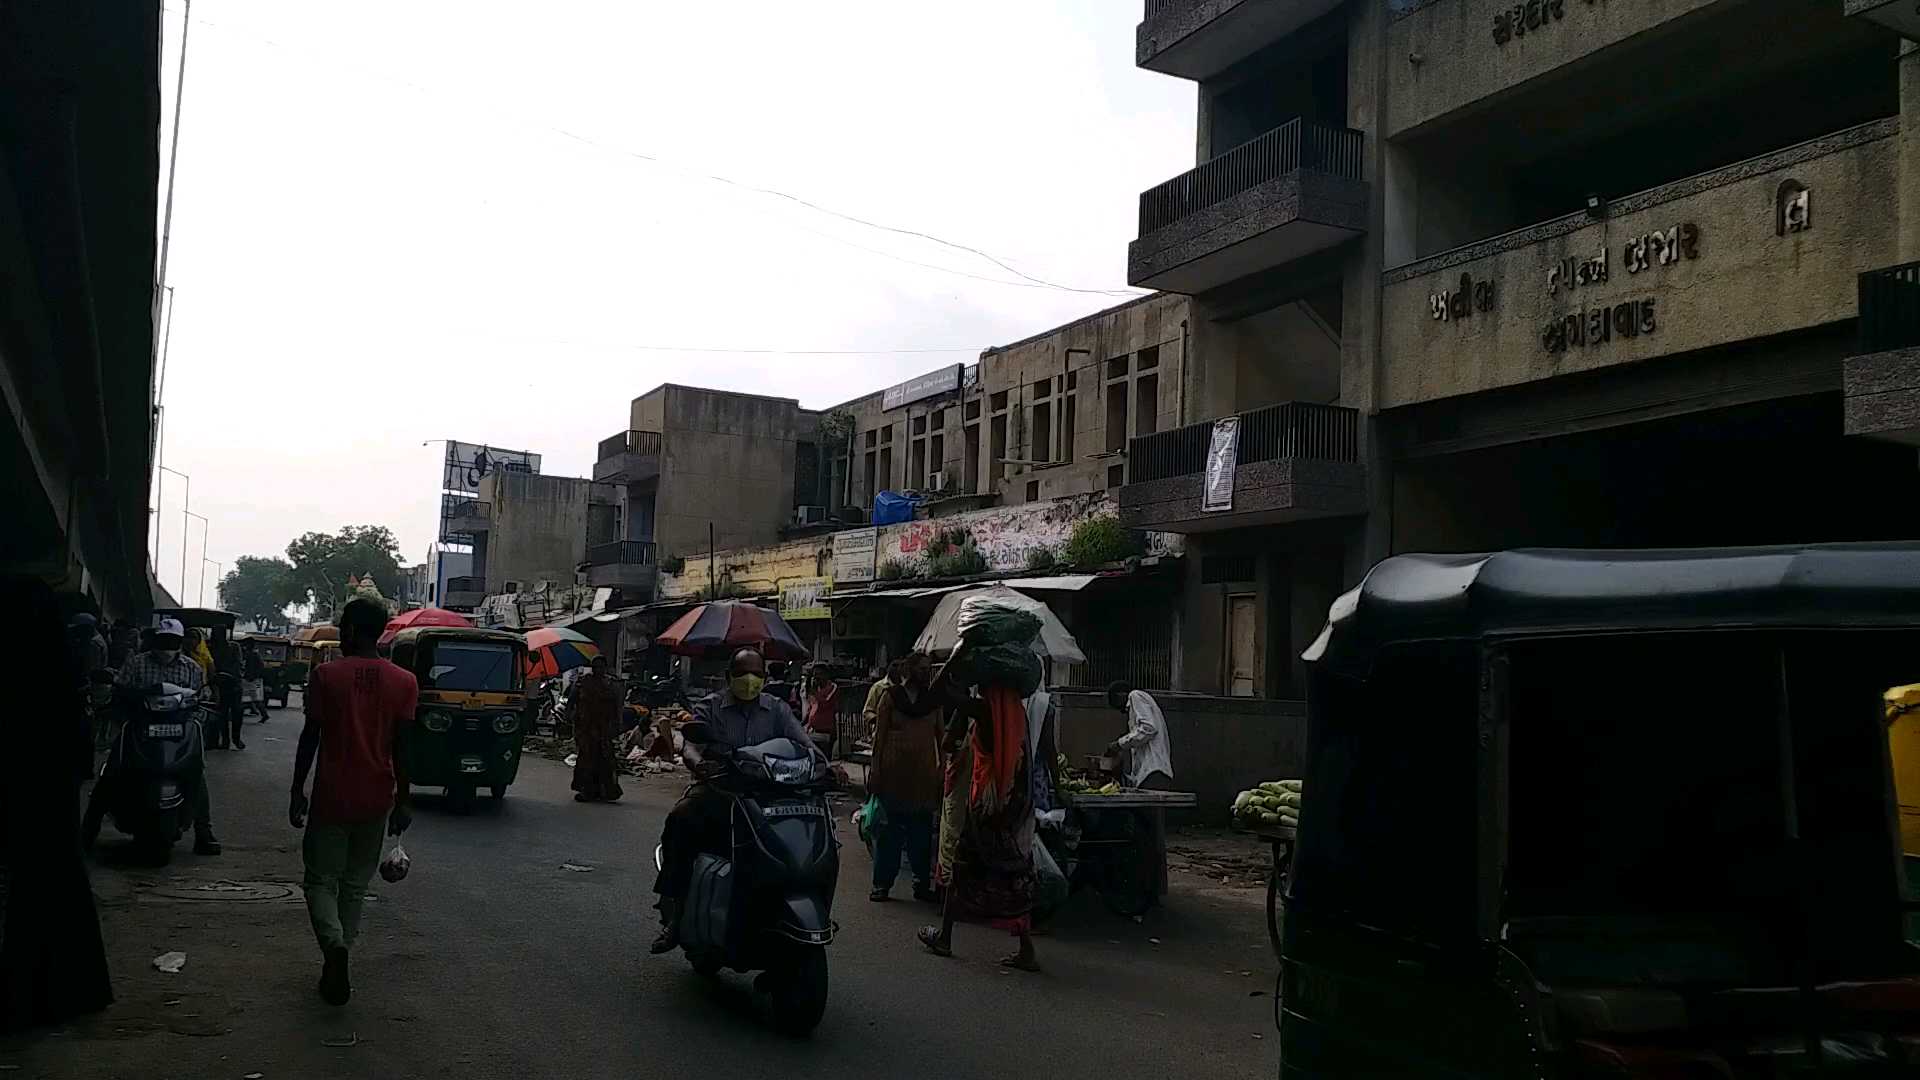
942 631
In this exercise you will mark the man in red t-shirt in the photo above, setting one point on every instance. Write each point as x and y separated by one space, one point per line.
357 708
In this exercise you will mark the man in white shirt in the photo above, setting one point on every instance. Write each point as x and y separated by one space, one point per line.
1149 751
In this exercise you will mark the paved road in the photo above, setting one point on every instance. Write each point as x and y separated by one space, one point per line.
492 961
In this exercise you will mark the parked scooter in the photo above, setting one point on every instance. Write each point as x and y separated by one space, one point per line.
153 762
766 903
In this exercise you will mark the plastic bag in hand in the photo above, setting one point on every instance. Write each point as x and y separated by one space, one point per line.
396 864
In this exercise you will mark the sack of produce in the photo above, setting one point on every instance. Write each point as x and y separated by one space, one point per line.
993 620
1006 664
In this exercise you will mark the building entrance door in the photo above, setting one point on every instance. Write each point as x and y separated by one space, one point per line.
1242 658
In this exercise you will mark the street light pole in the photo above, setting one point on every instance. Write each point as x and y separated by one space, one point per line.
204 527
219 568
185 502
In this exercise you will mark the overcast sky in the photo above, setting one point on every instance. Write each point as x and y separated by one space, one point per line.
398 222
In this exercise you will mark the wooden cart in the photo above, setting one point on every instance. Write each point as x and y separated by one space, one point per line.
1281 838
1126 832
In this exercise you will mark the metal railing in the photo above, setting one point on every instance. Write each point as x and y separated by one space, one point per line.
621 552
466 584
629 442
1890 308
469 508
1295 429
1293 146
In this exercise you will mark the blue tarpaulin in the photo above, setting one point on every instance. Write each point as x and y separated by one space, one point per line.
892 508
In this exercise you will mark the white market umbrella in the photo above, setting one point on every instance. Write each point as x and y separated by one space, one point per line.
942 632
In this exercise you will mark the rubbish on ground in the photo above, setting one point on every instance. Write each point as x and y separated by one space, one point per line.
350 1040
577 868
253 1076
171 1004
1153 940
170 962
396 864
572 760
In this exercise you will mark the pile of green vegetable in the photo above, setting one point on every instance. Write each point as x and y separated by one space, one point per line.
1274 804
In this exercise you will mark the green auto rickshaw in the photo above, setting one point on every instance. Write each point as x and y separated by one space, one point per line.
467 729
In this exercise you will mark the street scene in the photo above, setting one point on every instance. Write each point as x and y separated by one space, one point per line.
1302 538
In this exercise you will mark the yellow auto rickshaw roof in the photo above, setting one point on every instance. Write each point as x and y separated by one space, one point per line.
457 633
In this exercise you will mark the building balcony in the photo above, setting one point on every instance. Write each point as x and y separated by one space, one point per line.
1296 190
628 458
1198 39
628 565
469 516
1900 16
1771 245
1292 462
463 593
1882 381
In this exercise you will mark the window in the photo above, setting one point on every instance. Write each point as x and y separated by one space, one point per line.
1117 368
1117 416
1149 358
938 452
873 436
920 424
872 474
972 411
998 402
1146 405
886 434
939 420
1067 428
471 665
886 469
1042 448
970 467
1219 569
1033 490
997 450
917 465
1042 387
1116 476
1073 380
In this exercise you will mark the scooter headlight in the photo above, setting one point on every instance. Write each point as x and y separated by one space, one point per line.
506 723
436 722
790 770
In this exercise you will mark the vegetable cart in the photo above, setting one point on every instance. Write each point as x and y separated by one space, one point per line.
1281 838
1122 847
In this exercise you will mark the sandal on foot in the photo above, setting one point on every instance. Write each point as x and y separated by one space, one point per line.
930 937
1018 963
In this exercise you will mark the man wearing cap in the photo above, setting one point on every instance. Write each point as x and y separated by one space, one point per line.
165 663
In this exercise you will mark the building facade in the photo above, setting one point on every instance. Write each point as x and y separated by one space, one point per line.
527 529
1045 417
1470 275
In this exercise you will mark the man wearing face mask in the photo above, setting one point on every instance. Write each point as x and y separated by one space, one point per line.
740 715
163 662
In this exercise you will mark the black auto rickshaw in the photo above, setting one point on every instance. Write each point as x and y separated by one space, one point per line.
276 668
1610 813
467 730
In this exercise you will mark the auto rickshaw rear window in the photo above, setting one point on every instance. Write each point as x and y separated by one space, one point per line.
468 665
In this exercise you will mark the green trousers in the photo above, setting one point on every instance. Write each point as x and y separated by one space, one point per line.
340 860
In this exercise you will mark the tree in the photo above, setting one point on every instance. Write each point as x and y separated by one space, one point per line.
258 589
322 563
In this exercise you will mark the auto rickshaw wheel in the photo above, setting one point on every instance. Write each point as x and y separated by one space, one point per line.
498 792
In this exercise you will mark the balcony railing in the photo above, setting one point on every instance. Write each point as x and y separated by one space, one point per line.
467 585
1890 308
629 442
1295 429
1293 146
621 552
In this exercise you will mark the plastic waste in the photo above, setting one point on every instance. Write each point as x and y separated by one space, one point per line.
170 962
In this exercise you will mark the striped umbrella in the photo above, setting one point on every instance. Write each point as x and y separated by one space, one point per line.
724 625
552 650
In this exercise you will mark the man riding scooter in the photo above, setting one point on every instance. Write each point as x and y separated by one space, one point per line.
161 664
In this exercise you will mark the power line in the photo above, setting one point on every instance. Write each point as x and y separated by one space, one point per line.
1029 280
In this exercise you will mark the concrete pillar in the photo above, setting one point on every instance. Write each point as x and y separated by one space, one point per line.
1361 334
1909 223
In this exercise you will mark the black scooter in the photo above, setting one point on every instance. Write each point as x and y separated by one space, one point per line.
766 903
153 762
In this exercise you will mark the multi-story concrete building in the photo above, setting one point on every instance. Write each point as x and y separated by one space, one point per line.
1475 274
698 467
1044 417
528 528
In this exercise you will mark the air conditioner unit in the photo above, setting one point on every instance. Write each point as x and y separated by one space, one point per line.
809 515
937 480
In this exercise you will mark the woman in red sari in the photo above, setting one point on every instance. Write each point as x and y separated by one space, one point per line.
992 875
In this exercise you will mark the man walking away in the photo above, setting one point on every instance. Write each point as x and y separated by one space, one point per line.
227 674
357 709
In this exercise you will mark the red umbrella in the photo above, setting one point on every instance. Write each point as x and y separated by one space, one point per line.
426 616
733 624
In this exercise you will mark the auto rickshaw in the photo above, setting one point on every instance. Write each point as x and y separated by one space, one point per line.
1607 813
324 651
276 668
468 727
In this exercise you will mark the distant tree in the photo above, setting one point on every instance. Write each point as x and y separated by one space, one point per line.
322 563
258 589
